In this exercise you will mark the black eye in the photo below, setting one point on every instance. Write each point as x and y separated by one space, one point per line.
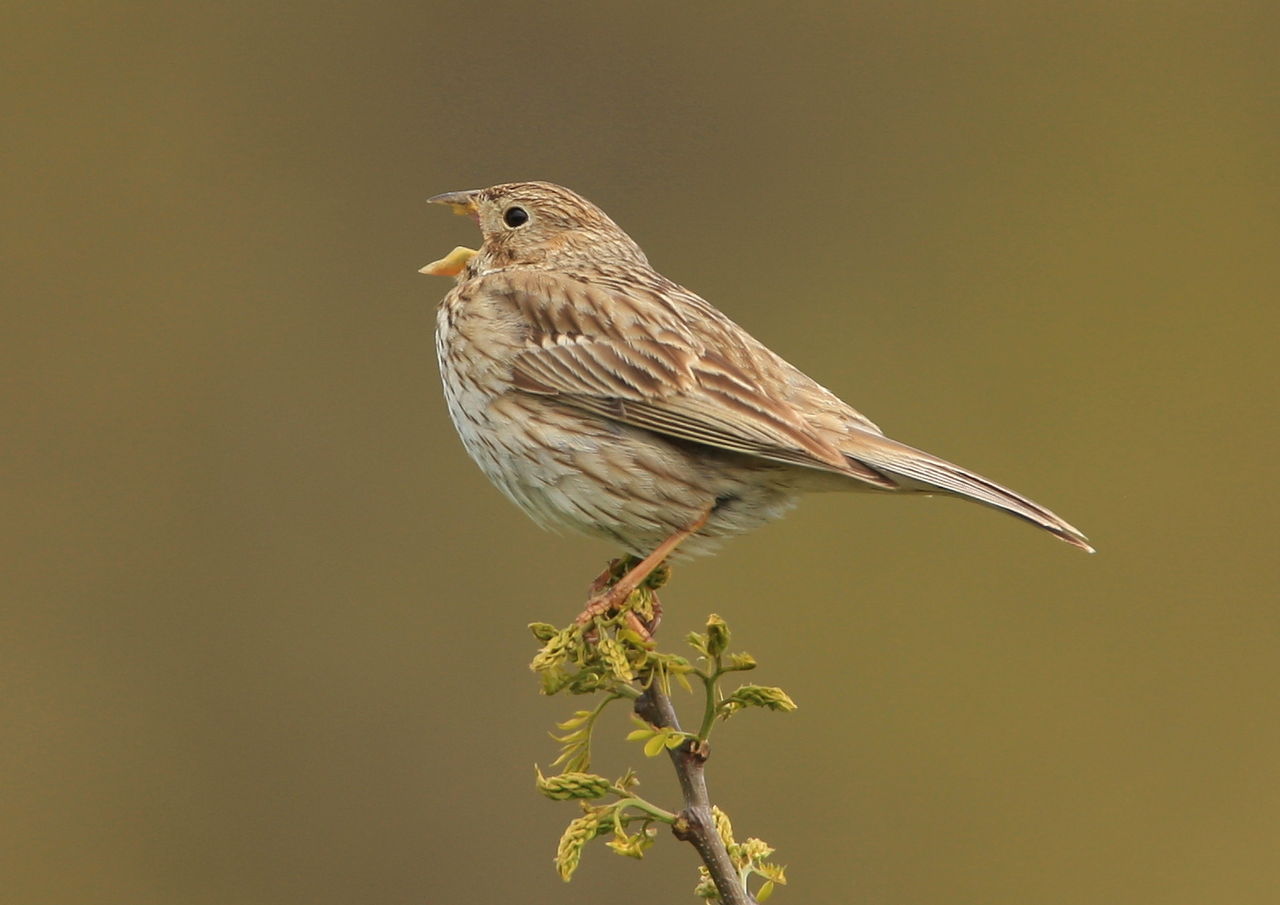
515 216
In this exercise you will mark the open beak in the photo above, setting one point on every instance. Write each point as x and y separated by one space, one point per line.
463 204
451 264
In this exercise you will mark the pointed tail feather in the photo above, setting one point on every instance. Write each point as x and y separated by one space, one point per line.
916 470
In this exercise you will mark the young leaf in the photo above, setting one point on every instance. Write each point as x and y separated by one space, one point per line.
655 746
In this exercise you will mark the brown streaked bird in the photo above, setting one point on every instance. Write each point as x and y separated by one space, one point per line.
601 396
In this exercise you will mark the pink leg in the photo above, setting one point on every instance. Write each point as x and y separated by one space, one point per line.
616 596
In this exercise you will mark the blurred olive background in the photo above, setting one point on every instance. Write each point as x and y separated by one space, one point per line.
264 622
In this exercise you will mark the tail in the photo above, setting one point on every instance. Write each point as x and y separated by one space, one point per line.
912 469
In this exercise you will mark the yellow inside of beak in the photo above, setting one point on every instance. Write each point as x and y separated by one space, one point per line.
451 264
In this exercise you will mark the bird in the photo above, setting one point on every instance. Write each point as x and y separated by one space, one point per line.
603 397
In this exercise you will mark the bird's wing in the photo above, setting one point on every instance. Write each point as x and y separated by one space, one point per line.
631 355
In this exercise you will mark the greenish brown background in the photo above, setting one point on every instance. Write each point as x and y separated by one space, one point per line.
263 621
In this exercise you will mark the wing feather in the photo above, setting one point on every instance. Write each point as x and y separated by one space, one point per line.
637 361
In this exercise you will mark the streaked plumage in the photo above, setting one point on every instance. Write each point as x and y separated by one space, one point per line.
601 396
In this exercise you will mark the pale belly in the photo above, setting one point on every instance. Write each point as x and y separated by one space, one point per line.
571 469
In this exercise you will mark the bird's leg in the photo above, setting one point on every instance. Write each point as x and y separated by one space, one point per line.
598 603
613 599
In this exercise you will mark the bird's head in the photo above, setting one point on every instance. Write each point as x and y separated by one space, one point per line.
536 225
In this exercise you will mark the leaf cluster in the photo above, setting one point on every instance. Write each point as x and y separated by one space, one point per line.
609 658
629 818
749 859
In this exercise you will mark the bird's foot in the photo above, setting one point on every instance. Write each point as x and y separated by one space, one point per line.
628 586
631 583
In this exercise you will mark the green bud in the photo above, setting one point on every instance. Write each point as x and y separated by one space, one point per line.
762 696
576 835
717 635
543 631
706 888
573 785
756 849
555 651
615 659
724 829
